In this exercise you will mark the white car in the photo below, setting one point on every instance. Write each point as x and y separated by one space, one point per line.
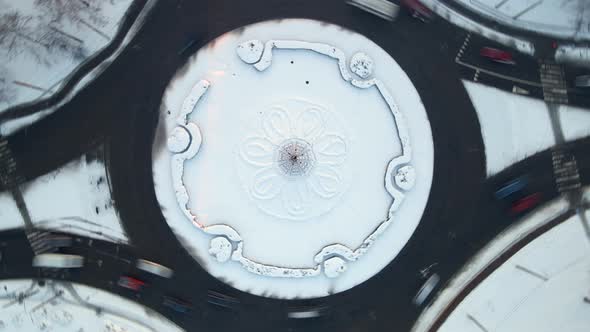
154 268
58 261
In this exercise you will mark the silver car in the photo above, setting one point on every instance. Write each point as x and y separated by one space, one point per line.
381 8
58 261
426 289
154 268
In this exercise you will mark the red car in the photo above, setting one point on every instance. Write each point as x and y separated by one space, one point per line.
526 203
418 10
131 283
497 55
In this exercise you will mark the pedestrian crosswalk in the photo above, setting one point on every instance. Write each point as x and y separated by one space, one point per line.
554 83
565 170
40 242
9 180
8 175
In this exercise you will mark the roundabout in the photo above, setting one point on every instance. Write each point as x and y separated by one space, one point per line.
297 151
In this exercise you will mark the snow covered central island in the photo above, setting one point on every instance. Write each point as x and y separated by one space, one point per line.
292 158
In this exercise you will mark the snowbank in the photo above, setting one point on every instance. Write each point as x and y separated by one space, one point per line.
561 19
515 127
73 199
547 278
66 307
549 255
452 16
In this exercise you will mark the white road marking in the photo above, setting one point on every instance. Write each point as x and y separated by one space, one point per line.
531 272
463 47
476 322
527 9
489 72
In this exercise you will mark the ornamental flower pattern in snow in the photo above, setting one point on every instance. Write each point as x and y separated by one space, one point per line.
294 160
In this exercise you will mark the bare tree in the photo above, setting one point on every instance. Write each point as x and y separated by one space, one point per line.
58 42
7 89
18 35
78 12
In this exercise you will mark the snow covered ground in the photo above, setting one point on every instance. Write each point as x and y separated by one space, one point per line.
563 19
73 199
67 307
541 288
559 255
515 127
30 72
466 23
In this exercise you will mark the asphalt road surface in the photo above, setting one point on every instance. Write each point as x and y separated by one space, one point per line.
120 111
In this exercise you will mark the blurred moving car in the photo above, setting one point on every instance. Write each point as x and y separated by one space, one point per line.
512 187
520 91
526 203
58 261
418 10
497 55
382 8
154 268
131 283
518 196
222 300
188 46
583 81
307 312
426 289
176 304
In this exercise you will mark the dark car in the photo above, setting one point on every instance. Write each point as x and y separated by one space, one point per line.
222 300
512 187
176 304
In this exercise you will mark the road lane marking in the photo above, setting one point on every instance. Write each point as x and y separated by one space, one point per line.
531 272
491 73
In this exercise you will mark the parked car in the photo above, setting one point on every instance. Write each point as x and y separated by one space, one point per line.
58 261
583 81
176 304
497 55
382 8
222 300
131 283
418 10
154 268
